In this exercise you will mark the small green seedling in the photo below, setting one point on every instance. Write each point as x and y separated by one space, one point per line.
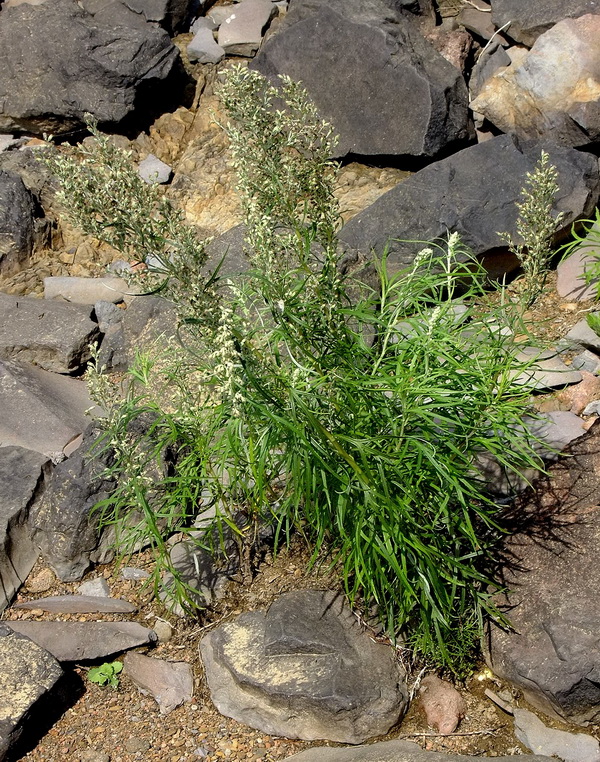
106 674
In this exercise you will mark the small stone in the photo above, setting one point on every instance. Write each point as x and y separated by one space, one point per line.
134 744
586 361
203 48
242 31
97 587
131 573
163 630
94 755
85 290
571 282
41 582
170 683
154 171
443 705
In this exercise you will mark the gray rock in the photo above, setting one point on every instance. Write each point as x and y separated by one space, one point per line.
28 674
8 141
556 431
86 290
305 669
22 474
536 98
586 361
473 193
55 336
16 223
391 751
403 98
172 15
547 370
79 604
593 408
154 171
581 335
63 523
529 19
107 314
571 280
570 747
114 72
130 572
488 63
97 587
85 641
218 13
41 411
241 33
203 48
553 652
208 22
477 22
170 683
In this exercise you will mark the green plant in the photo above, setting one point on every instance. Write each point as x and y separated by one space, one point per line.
586 235
593 320
356 422
536 226
106 674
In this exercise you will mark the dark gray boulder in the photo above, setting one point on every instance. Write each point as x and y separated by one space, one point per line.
172 15
392 751
54 335
473 193
529 19
384 88
16 223
28 675
22 474
63 63
553 652
305 669
63 523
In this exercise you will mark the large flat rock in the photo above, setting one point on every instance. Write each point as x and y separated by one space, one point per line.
305 669
22 474
53 335
385 89
473 193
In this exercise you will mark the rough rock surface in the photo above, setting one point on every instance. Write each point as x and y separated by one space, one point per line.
570 747
79 604
553 91
553 655
86 290
391 751
402 98
170 683
443 705
16 223
83 641
473 193
62 523
241 32
170 14
41 411
27 674
305 669
22 474
55 336
530 19
112 72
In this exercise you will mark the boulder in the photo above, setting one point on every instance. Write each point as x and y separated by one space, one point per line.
41 411
85 641
241 32
172 15
16 223
553 91
64 63
392 751
63 523
383 87
170 683
52 335
22 474
28 676
553 652
304 669
473 193
529 19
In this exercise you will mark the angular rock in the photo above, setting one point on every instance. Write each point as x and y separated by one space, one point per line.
240 34
572 282
41 411
115 73
547 370
553 654
63 523
172 15
473 193
443 705
530 19
570 747
154 171
553 91
16 223
22 473
392 751
97 587
586 361
576 398
79 604
477 21
170 683
28 674
402 99
305 669
204 48
55 336
86 290
85 641
488 63
581 335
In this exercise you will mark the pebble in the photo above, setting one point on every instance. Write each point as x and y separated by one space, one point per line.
42 582
163 630
96 587
135 744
